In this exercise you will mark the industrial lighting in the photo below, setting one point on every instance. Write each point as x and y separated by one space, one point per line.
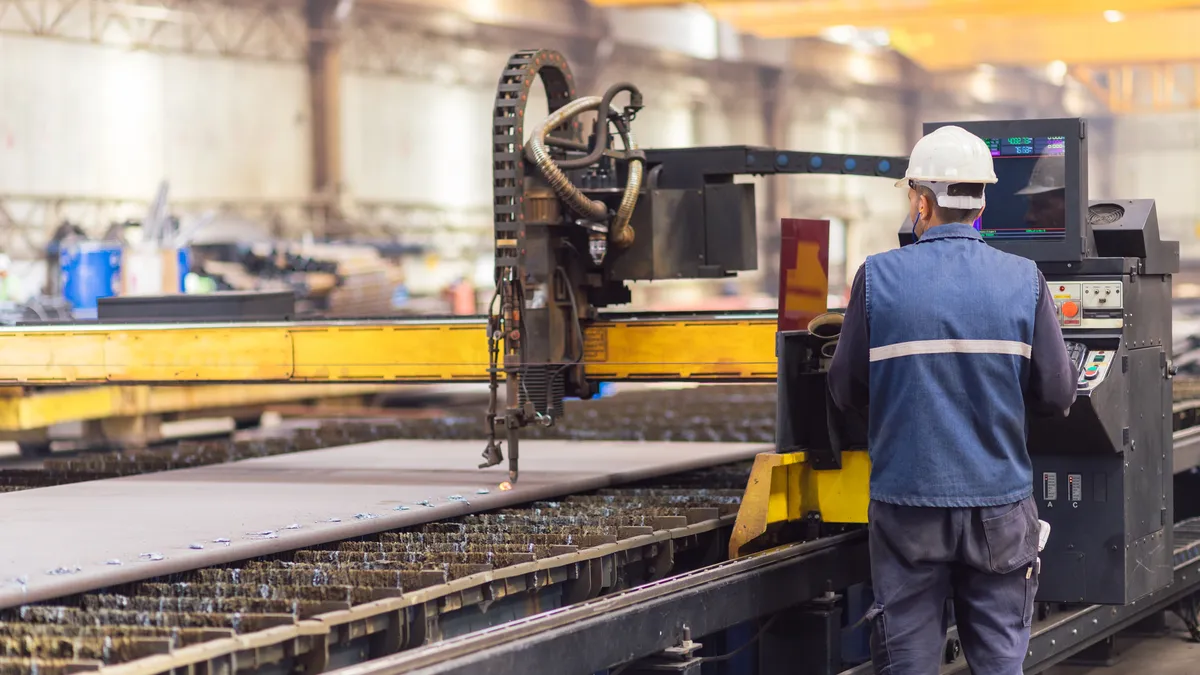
878 37
862 39
1114 15
1057 72
843 35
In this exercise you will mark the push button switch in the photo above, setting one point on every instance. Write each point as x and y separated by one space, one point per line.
1070 309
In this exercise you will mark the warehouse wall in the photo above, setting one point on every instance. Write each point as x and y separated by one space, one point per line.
1158 156
102 120
90 120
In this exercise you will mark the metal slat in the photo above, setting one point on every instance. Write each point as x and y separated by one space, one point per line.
599 634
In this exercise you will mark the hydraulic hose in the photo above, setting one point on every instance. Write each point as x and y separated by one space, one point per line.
600 128
622 234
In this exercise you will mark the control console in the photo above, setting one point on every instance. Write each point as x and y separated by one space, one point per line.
1103 472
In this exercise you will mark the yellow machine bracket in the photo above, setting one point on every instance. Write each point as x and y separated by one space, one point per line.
784 487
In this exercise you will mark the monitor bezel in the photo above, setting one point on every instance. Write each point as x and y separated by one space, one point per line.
1077 242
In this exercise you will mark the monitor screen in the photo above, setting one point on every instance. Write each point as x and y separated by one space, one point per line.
1029 200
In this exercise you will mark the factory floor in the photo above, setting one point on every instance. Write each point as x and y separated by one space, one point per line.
1170 654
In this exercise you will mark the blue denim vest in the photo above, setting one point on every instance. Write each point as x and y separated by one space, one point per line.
951 330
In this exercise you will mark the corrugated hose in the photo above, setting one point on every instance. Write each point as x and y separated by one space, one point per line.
622 234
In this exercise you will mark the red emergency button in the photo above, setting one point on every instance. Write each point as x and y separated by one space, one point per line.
1070 309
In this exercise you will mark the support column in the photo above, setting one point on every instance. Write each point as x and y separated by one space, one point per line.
774 83
325 86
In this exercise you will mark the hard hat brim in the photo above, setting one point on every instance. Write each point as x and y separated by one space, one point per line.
903 182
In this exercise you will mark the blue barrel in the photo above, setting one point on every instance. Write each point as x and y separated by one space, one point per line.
90 271
185 266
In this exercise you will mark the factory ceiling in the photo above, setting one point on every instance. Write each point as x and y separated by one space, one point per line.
957 34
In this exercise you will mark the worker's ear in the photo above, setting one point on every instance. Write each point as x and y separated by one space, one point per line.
924 208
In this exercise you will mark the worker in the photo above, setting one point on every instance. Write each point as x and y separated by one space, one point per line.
1047 192
951 342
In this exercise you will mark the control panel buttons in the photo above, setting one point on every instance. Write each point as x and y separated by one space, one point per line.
1091 372
1087 304
1102 296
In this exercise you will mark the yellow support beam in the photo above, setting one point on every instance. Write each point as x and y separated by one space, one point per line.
1152 88
42 409
693 348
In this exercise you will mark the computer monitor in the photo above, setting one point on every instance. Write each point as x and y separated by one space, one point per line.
1029 202
1038 207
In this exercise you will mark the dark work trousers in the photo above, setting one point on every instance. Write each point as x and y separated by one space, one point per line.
983 558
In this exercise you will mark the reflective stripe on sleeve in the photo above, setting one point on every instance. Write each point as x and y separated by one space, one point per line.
917 347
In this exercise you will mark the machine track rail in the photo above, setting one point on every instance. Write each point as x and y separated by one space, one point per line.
331 606
606 632
337 604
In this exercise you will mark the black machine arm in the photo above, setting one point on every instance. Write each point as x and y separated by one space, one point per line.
576 220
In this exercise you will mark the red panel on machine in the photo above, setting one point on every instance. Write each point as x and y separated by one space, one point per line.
803 272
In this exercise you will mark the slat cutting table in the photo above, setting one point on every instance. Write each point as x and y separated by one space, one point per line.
73 538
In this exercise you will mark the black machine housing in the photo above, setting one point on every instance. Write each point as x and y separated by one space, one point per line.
1103 475
692 221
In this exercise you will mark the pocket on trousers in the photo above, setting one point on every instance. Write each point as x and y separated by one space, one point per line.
1031 586
1009 541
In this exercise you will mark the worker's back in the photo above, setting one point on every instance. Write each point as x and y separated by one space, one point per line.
951 324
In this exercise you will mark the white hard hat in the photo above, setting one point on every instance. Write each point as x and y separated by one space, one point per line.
1049 174
947 156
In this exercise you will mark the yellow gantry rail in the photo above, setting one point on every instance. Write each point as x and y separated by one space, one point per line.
698 347
40 409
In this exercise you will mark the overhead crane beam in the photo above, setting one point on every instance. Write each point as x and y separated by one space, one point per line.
943 35
884 12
